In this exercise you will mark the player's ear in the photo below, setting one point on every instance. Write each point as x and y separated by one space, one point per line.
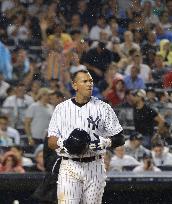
74 85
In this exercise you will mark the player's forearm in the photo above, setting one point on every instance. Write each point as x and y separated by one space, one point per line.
103 143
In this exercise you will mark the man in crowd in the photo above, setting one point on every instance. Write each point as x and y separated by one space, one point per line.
145 117
37 117
8 135
133 146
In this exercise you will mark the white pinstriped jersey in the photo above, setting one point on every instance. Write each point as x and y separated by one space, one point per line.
95 116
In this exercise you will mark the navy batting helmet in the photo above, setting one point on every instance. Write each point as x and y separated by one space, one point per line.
78 142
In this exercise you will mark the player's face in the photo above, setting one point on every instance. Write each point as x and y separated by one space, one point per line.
83 84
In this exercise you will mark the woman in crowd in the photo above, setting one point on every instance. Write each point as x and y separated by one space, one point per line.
11 163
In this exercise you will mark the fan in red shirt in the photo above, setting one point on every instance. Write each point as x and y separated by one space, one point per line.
167 80
116 94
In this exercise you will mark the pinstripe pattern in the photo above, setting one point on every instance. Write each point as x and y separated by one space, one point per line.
79 182
68 116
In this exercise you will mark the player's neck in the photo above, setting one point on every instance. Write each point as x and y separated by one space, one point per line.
81 99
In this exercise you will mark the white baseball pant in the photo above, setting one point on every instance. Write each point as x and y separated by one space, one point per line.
80 182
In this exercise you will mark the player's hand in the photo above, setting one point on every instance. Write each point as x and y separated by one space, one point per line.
94 145
104 143
100 144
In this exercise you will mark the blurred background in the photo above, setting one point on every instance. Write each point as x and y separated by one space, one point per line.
127 47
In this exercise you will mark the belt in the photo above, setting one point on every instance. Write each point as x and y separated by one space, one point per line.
84 159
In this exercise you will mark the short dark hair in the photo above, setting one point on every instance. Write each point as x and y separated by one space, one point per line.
74 75
135 136
10 90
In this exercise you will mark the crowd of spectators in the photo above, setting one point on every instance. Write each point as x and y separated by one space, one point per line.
127 47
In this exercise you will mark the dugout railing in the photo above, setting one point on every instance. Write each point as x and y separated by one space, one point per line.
122 187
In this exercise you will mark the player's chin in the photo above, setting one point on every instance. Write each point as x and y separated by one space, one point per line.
89 92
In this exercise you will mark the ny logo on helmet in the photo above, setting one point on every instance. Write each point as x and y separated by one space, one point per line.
92 122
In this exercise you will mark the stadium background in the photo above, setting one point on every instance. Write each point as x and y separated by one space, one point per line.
43 41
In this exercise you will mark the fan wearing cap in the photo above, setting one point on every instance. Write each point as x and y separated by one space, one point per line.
145 117
133 146
146 165
38 116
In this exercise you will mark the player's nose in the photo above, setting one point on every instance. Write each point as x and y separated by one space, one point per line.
90 86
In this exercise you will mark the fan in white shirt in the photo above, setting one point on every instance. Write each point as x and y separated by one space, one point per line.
14 106
3 86
8 135
160 154
101 26
120 159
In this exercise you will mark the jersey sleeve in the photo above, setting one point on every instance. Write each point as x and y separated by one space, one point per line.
53 129
112 125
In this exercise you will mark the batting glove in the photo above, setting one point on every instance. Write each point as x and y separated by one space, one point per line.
61 144
100 144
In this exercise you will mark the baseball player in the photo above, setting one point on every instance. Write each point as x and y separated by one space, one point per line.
82 177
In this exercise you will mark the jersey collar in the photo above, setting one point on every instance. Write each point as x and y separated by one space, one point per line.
78 104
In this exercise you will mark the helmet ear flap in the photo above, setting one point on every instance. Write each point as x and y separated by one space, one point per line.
78 142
